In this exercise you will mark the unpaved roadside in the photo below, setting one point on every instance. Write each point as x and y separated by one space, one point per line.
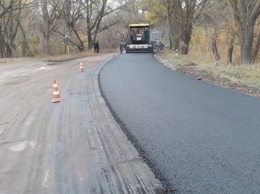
231 80
73 146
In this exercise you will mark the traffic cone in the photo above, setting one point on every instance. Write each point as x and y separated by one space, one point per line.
81 67
56 94
113 54
98 59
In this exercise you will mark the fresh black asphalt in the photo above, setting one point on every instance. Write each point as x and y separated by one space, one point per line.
197 137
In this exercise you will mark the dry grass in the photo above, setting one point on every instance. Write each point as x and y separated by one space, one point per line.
241 75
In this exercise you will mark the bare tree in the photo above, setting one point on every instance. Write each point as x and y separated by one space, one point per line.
173 27
72 13
182 14
245 13
10 23
217 21
95 11
6 27
50 13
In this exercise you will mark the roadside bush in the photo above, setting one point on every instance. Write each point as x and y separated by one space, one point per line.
33 46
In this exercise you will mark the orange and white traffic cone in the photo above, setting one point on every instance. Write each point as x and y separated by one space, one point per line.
81 67
56 94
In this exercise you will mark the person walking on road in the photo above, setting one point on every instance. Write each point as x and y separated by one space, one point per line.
97 46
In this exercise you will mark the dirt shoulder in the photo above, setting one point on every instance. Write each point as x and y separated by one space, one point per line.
72 146
242 80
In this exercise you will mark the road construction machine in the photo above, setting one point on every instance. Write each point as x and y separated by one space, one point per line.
141 39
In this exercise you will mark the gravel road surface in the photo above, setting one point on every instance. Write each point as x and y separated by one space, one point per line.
73 146
198 138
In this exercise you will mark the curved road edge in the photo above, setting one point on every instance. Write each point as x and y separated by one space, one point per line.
132 172
134 142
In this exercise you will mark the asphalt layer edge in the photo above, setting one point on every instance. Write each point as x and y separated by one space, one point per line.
158 174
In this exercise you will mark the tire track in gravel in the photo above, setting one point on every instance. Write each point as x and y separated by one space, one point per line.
74 146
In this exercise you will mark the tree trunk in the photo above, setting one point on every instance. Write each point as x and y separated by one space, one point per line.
81 46
170 23
247 43
214 45
176 42
230 49
46 44
170 41
186 37
46 26
256 49
9 42
90 41
1 41
24 41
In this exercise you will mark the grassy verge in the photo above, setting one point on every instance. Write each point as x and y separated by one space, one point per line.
243 78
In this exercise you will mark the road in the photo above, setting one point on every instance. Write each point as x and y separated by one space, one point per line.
198 138
72 146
